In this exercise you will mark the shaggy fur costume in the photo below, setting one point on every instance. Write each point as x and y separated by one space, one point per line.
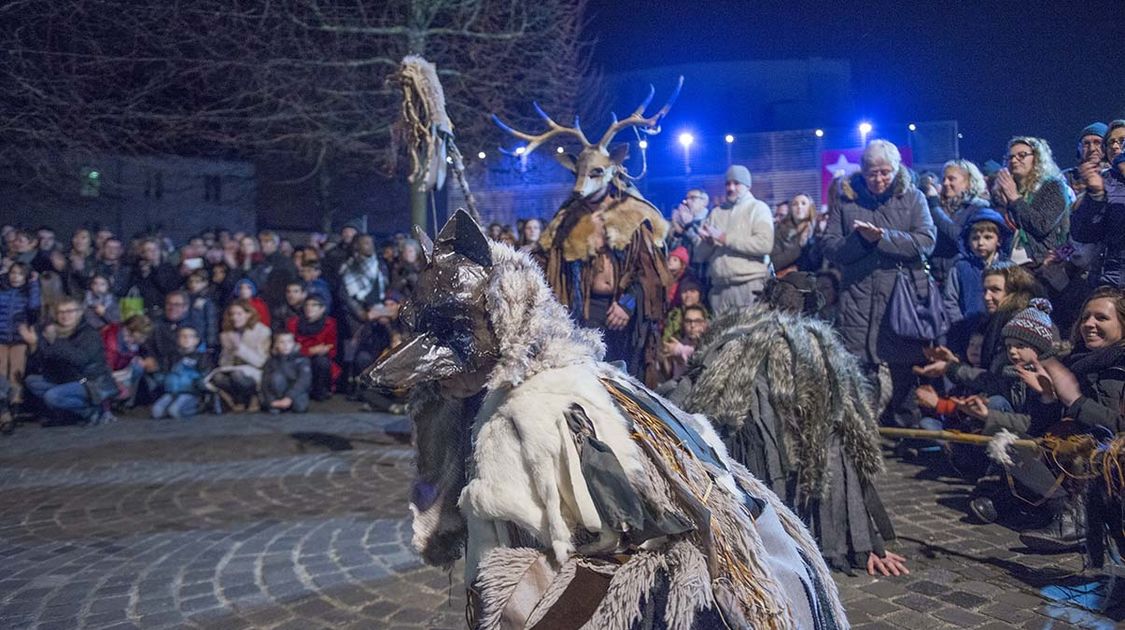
815 386
502 478
770 382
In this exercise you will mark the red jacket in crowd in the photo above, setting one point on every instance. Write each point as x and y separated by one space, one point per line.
327 335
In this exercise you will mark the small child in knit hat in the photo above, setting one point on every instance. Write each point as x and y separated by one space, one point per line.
1003 399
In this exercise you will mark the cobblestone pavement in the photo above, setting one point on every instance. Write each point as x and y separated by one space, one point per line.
301 522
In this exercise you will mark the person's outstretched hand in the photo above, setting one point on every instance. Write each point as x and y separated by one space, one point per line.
891 564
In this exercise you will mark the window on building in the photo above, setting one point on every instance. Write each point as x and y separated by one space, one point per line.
213 188
154 184
90 184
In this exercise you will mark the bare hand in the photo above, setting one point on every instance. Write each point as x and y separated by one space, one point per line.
891 564
1066 386
617 317
926 396
28 334
1091 174
50 333
150 365
718 236
99 310
869 232
1037 379
931 190
974 406
940 353
282 403
933 369
1007 185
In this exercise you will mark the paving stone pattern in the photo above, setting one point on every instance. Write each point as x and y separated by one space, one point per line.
301 522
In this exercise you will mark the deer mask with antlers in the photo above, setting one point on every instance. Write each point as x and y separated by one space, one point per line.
599 168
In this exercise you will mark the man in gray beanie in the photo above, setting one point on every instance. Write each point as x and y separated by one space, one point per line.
736 241
1091 149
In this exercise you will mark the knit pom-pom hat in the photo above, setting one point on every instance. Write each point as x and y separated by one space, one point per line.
1033 326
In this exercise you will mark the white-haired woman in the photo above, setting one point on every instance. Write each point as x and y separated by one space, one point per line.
963 192
1033 193
879 223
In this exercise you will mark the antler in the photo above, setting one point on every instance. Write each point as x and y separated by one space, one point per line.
553 129
650 125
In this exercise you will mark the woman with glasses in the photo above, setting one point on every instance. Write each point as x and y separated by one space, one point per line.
1036 199
67 368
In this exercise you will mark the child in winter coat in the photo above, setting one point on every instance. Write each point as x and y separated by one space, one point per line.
19 304
287 377
101 304
183 383
984 240
315 332
203 311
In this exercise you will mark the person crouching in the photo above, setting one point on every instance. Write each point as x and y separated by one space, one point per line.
183 382
287 377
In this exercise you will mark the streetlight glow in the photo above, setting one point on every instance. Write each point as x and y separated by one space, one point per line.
520 150
643 144
558 149
912 127
729 138
686 139
865 128
481 155
819 133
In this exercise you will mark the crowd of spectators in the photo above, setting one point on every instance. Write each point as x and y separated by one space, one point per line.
1029 261
226 322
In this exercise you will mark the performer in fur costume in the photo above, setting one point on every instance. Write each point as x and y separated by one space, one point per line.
792 405
603 251
577 497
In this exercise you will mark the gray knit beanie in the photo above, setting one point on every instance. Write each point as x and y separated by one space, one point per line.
739 173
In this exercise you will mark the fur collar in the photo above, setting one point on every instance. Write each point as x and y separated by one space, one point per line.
855 189
621 214
534 331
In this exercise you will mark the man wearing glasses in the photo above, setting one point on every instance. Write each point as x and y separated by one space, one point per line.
687 218
67 369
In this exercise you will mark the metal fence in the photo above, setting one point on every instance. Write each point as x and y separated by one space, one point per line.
782 163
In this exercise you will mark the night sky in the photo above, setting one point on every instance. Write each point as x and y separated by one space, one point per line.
999 68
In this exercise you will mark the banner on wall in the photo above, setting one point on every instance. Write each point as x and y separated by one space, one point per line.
836 162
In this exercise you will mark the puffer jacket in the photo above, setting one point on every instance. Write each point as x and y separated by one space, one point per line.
17 306
1101 220
949 226
869 270
963 293
186 375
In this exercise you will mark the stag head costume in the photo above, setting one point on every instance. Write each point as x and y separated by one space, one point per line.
578 497
607 232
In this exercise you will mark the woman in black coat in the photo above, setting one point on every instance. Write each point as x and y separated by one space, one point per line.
881 222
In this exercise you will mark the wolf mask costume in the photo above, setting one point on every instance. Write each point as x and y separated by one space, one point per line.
578 497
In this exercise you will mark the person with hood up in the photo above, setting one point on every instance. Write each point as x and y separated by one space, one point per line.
984 241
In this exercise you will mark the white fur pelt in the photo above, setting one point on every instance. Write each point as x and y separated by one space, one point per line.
998 447
524 471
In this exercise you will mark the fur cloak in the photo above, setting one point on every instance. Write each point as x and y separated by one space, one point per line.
504 478
793 405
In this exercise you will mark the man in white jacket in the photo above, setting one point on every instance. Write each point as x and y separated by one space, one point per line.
736 241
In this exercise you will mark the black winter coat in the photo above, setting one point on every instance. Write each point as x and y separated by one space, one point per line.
69 359
868 270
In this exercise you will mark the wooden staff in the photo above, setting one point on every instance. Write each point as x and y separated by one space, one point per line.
949 436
